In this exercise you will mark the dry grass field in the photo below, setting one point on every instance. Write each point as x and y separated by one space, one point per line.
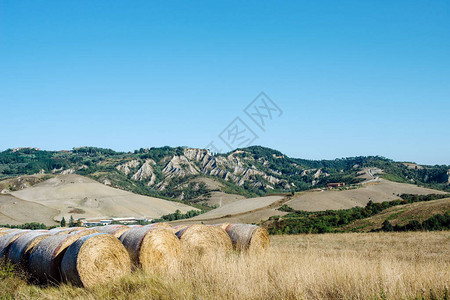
330 266
17 211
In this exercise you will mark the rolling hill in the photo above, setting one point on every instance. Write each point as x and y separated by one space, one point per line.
379 191
66 195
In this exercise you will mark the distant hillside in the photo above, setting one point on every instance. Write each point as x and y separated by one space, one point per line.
401 215
74 195
196 175
407 208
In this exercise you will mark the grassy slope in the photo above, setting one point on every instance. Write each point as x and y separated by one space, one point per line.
402 214
330 266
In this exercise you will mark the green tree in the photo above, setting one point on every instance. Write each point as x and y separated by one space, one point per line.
387 226
63 222
413 225
71 222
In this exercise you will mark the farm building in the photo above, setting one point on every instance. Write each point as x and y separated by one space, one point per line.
334 185
101 222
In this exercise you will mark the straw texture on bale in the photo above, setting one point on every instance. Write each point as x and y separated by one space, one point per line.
63 230
159 225
8 230
115 230
20 249
83 231
134 226
205 240
6 241
57 229
223 225
179 228
46 257
94 259
251 238
151 248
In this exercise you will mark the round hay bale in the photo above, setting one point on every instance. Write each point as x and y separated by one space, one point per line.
6 241
20 249
205 240
46 257
94 259
151 248
115 230
251 238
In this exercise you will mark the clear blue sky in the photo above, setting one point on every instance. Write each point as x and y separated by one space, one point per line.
352 77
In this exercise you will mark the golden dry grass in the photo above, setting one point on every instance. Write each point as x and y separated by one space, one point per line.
332 266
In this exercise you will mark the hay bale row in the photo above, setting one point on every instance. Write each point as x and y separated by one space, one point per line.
86 257
151 248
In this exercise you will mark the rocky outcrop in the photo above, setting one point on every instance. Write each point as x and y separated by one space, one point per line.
231 167
68 171
196 154
146 171
161 186
180 166
238 166
320 173
57 170
125 167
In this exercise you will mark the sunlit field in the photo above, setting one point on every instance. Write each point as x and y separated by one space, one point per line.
412 265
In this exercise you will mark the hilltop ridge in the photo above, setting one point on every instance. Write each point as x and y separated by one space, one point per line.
181 173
